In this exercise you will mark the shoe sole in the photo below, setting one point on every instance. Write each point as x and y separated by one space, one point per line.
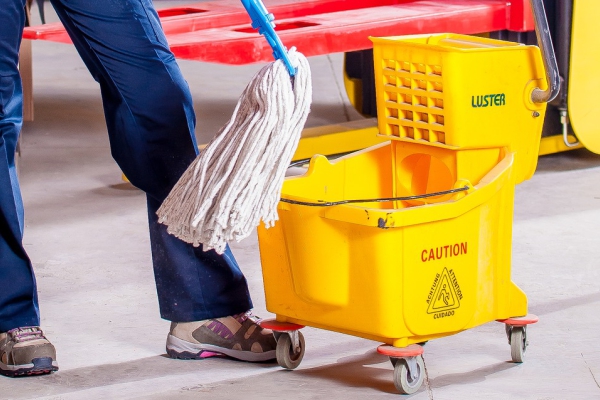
184 350
38 366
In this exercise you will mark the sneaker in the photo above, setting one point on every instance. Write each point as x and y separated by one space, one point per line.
26 351
238 336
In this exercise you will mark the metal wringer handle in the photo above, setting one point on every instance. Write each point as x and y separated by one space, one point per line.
542 31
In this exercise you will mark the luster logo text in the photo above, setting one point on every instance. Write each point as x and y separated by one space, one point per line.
488 100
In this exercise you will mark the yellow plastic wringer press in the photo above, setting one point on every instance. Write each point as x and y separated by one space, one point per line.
410 240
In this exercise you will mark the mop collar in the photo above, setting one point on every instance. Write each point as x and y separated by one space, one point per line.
264 22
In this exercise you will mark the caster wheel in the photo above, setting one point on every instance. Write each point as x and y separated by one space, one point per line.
287 356
518 343
406 380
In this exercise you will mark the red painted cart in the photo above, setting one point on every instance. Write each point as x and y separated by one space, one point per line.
220 31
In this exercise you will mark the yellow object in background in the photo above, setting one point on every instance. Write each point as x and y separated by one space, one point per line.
584 81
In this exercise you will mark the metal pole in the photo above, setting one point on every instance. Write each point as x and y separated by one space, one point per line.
564 21
542 32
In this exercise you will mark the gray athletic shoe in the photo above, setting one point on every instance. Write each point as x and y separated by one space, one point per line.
26 351
238 336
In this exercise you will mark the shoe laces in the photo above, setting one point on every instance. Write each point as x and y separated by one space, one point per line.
26 334
246 315
223 330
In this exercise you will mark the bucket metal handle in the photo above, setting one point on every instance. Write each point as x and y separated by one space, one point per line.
542 31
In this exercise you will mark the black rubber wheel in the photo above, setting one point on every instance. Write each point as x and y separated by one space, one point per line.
286 356
403 381
518 343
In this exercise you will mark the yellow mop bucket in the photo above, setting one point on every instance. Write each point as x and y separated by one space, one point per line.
410 240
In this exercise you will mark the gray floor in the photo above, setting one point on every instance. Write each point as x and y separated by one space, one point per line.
86 234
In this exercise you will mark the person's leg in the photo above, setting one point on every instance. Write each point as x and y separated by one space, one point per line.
18 302
23 348
151 122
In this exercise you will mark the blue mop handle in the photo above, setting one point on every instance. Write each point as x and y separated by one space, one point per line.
263 21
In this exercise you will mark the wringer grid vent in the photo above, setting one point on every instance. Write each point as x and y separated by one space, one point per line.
414 105
428 89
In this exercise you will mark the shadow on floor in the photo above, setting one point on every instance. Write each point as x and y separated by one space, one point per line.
355 371
148 368
568 161
564 304
470 377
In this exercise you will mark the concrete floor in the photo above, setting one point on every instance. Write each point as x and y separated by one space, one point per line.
87 236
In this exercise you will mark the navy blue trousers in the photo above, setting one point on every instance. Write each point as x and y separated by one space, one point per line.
150 122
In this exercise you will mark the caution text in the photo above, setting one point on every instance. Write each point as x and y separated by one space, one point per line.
438 253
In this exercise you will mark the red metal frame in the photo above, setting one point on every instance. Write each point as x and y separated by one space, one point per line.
220 32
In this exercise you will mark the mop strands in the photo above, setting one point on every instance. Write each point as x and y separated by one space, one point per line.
236 180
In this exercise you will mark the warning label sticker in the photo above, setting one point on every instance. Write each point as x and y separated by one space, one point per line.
444 295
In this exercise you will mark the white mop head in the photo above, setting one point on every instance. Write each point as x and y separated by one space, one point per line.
236 180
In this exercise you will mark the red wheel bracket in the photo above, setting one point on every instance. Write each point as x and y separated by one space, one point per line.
520 321
279 326
399 352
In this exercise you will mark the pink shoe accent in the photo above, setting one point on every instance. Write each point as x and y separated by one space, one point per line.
209 354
